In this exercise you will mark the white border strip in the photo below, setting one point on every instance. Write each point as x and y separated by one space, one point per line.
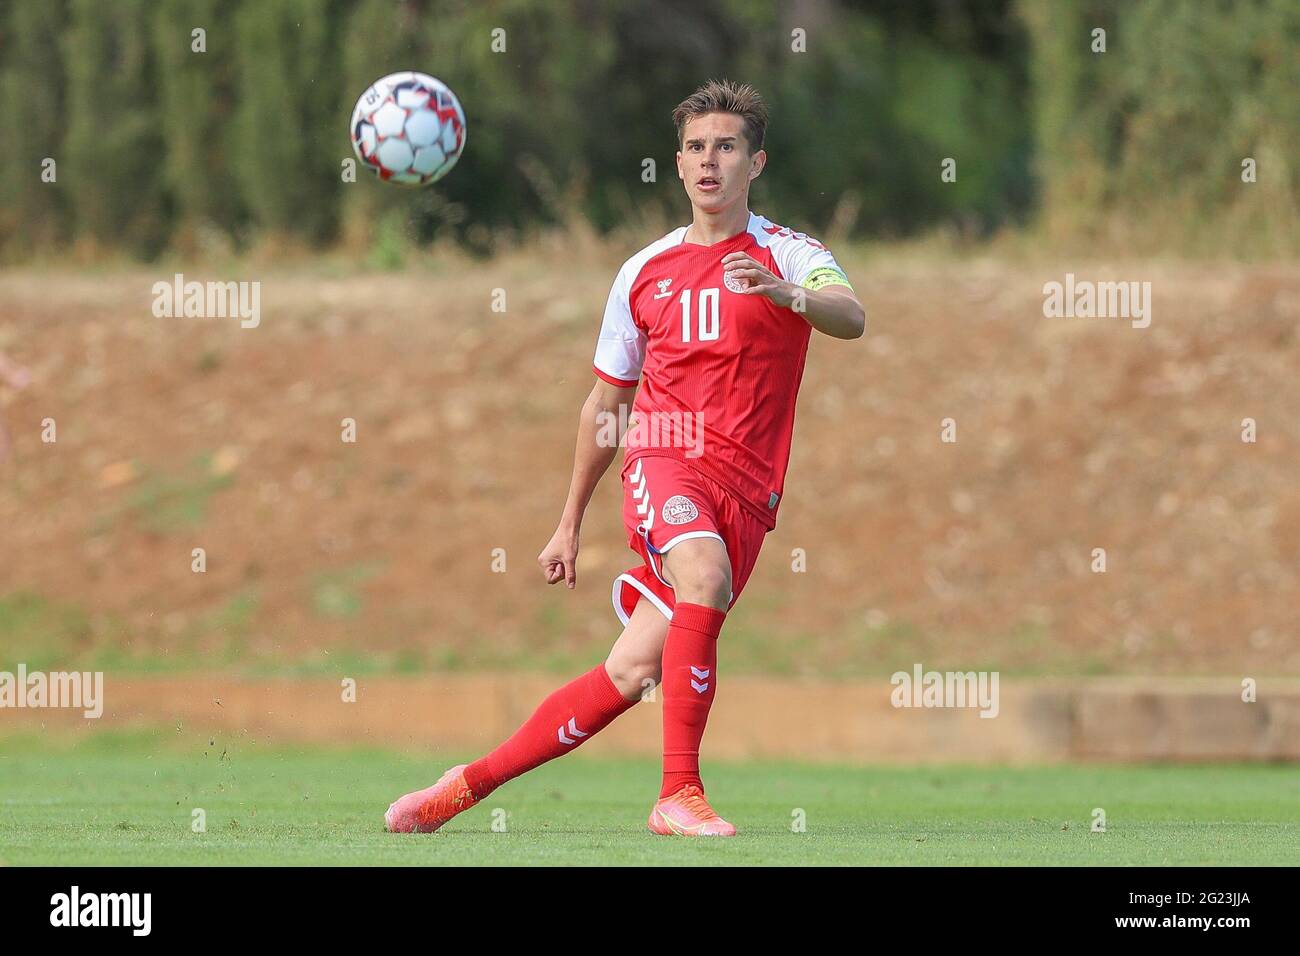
646 592
693 534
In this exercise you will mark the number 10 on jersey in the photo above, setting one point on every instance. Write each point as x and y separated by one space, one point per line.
706 316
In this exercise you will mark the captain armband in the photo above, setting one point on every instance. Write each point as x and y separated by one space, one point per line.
824 276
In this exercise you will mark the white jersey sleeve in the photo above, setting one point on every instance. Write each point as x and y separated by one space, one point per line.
806 262
620 349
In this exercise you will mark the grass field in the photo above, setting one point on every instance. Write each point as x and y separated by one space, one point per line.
128 800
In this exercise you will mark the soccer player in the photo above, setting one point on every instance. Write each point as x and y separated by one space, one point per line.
713 322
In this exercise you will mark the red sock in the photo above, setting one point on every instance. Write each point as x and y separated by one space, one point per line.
572 714
690 666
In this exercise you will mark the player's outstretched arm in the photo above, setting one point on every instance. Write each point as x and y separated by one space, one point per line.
833 309
597 423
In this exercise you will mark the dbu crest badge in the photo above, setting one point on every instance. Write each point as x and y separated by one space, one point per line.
679 510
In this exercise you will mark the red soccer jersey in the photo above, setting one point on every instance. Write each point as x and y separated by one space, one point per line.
719 370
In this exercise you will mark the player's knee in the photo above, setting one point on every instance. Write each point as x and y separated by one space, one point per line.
632 676
706 582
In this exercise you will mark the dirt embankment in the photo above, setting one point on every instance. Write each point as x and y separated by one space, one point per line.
1071 435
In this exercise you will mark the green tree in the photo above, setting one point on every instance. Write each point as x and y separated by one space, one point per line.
114 145
32 102
196 101
287 94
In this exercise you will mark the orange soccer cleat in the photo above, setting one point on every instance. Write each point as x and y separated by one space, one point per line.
425 810
687 813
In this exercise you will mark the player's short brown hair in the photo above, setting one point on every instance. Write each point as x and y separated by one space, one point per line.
724 96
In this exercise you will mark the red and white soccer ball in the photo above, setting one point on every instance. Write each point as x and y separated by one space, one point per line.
408 128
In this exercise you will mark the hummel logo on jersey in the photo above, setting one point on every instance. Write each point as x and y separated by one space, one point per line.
782 232
644 509
703 674
573 729
663 288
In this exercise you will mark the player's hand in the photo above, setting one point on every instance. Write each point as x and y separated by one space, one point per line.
760 280
559 559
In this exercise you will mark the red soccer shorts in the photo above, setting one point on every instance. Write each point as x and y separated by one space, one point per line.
666 501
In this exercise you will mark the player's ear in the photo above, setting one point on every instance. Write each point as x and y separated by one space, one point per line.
757 164
679 165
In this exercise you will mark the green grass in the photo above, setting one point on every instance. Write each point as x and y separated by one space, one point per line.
49 634
167 504
40 632
337 593
128 800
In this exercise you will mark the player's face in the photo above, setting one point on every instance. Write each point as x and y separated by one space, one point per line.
714 163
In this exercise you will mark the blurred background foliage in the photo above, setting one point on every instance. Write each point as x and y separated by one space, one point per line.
161 150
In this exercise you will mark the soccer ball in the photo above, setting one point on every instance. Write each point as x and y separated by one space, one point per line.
408 128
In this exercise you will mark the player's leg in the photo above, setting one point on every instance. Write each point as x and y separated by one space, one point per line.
707 567
572 714
635 661
700 573
670 511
